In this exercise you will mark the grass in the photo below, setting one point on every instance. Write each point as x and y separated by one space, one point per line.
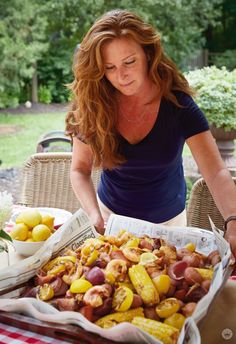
15 148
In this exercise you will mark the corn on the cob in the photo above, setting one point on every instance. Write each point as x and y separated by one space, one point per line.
144 285
166 333
115 318
205 273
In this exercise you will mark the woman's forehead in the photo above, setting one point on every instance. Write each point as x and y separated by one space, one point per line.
124 46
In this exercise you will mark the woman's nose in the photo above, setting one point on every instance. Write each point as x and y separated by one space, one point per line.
121 74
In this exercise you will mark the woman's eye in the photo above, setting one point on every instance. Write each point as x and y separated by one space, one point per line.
129 62
109 67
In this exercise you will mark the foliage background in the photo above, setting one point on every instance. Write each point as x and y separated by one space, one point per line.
38 39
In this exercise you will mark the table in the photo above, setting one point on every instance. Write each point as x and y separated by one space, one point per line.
18 329
10 334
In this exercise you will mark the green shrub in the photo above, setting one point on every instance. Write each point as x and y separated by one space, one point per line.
226 59
8 101
215 94
45 95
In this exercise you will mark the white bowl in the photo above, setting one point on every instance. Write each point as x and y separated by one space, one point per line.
27 248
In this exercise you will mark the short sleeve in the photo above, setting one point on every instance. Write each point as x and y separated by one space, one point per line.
192 119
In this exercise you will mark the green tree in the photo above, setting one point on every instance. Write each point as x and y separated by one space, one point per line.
221 40
22 41
181 23
43 35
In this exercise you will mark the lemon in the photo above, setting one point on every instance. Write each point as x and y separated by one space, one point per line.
19 219
19 232
147 257
80 286
190 246
29 235
30 217
41 233
162 283
48 220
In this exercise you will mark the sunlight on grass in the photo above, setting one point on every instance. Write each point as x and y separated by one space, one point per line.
17 147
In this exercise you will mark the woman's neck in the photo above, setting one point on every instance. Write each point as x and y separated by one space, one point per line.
149 94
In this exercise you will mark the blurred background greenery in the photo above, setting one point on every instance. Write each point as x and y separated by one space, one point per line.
38 39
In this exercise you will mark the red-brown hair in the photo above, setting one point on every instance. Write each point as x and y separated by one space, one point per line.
93 116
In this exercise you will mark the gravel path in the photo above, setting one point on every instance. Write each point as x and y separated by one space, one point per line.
10 181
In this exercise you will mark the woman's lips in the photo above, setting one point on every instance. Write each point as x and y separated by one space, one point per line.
128 84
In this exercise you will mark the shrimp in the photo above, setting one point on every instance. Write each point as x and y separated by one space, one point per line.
117 268
95 295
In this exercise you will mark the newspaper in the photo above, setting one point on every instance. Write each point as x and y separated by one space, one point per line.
78 229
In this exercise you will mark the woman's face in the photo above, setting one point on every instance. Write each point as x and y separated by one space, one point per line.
125 64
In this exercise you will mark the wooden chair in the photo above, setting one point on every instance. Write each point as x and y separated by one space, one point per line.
46 182
201 204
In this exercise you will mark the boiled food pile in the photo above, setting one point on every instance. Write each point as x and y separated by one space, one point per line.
113 279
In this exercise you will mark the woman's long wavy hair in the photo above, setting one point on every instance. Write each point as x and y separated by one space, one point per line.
93 115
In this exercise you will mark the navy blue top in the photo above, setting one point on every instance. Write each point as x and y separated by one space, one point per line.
150 185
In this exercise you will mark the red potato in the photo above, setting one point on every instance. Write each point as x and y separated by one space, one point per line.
195 293
150 313
87 312
188 309
104 309
213 258
180 294
192 260
171 291
206 284
192 276
31 292
95 276
137 301
176 270
146 244
66 304
59 286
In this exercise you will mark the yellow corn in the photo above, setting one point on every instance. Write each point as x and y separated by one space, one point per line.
166 333
113 319
205 273
143 285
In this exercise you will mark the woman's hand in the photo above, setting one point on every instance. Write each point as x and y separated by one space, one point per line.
98 222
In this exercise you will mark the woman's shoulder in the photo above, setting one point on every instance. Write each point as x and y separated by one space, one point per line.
183 98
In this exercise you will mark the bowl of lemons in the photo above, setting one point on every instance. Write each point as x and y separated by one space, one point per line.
31 228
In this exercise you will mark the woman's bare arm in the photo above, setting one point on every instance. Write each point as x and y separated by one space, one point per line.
81 168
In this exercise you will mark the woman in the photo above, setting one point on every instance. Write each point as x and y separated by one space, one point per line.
132 114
